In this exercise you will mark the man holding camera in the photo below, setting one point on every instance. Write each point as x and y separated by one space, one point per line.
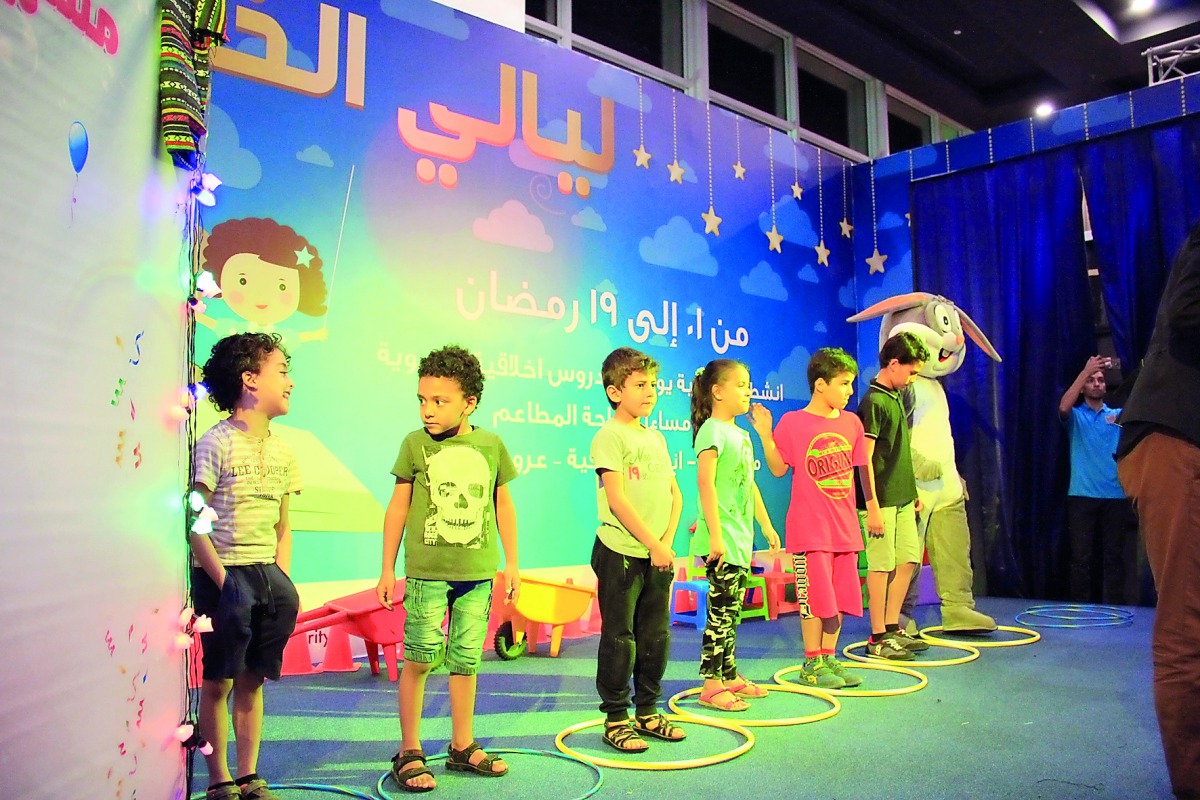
1099 518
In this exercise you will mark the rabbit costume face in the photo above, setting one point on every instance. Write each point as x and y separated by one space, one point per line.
940 324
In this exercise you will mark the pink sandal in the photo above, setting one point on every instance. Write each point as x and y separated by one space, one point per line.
745 688
709 700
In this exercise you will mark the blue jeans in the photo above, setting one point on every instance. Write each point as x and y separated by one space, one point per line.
425 605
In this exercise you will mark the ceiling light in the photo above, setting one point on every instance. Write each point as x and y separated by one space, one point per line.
1044 109
1140 6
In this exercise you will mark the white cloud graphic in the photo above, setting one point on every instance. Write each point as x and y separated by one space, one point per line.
512 224
237 167
314 154
678 246
430 16
764 282
589 218
619 85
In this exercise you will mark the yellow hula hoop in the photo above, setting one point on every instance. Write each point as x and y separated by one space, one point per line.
820 694
655 766
922 681
1031 637
972 653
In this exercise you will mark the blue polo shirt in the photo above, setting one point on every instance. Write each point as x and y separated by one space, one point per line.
1093 436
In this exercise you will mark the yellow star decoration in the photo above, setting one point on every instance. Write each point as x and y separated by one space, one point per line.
846 227
775 238
676 171
739 171
822 253
876 262
304 257
643 158
797 191
712 223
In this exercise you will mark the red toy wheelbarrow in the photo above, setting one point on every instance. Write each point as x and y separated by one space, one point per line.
540 602
361 615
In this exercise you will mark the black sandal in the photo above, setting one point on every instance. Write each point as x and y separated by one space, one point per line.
664 729
618 734
401 776
460 761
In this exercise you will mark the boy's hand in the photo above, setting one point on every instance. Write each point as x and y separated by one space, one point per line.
772 539
875 523
512 579
385 591
716 552
662 557
918 506
761 419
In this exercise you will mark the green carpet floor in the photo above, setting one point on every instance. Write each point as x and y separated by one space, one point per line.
1068 717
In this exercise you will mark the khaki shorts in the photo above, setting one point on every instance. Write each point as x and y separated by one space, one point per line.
899 544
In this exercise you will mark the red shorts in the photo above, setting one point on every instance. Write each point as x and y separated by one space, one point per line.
827 584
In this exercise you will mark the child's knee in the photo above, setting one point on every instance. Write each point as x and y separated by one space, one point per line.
417 667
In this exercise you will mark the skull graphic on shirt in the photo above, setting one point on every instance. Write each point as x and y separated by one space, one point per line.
459 478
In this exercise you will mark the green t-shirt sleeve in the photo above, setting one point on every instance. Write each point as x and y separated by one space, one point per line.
607 451
706 438
405 467
506 470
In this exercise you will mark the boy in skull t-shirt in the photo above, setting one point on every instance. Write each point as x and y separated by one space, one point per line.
452 510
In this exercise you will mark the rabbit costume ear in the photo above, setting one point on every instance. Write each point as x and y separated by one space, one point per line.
977 336
898 303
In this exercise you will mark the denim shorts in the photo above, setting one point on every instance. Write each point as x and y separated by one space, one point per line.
425 605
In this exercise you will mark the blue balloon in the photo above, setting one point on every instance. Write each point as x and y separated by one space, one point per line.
77 141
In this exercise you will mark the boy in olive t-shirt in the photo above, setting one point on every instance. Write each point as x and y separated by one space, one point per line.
452 509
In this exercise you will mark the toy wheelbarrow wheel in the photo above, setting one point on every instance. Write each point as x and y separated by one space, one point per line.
506 645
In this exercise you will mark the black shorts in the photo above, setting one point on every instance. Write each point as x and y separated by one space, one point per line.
253 615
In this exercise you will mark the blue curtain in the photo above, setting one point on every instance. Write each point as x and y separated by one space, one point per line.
1005 243
1143 190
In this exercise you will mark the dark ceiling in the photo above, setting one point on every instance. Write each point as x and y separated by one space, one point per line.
987 62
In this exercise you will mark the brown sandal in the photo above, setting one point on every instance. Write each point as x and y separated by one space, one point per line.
663 728
402 776
460 761
620 735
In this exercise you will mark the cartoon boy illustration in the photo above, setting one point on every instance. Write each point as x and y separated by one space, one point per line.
266 272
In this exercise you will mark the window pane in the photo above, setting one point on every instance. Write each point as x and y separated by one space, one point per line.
833 103
908 127
545 10
648 30
950 132
745 62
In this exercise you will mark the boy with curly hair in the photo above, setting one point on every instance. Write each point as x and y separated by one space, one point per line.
239 570
451 499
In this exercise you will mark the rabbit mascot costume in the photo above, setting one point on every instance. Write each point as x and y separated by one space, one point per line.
940 325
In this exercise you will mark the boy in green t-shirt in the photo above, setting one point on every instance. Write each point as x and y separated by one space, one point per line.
888 502
451 498
639 503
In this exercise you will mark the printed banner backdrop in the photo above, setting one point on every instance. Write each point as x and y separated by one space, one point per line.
92 545
445 180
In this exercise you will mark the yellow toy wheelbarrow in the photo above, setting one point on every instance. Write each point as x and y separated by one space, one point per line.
540 602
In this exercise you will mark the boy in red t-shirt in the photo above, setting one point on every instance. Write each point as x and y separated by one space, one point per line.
822 444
